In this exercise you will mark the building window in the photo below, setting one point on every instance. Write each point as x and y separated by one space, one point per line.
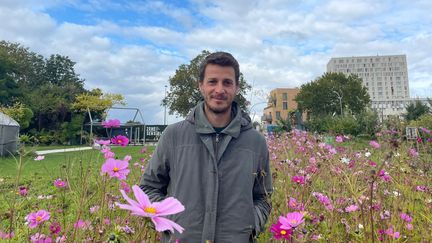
285 105
284 96
278 116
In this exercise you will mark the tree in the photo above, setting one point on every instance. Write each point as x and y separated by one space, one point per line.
9 89
184 94
19 113
333 93
416 110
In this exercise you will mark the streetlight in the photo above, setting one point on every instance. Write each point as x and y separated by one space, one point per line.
165 104
340 100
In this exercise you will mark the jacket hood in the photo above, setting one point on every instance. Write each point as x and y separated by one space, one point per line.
240 120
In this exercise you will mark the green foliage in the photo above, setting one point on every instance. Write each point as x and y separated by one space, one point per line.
416 110
71 131
46 87
19 113
424 121
97 101
184 94
329 92
365 123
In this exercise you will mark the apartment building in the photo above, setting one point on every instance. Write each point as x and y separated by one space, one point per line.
280 103
385 77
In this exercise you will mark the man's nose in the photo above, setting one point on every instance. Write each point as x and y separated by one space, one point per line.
220 88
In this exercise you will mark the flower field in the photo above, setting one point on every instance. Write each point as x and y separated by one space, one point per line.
349 192
325 190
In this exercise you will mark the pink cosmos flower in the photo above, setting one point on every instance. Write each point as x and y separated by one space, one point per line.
116 168
409 226
351 208
295 205
40 238
324 200
112 123
390 232
103 142
23 191
425 130
125 186
127 158
292 220
298 179
421 188
60 183
39 158
413 152
339 139
81 224
109 154
35 219
405 217
4 235
374 144
120 140
155 211
279 233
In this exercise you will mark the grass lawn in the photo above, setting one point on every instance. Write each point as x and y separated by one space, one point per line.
52 163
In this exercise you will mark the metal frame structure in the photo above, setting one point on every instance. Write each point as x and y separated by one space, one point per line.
134 129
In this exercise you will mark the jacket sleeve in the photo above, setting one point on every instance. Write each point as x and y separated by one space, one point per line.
155 180
261 193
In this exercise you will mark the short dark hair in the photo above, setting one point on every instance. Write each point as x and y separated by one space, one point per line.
220 58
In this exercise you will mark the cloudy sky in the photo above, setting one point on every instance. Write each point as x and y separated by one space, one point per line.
133 47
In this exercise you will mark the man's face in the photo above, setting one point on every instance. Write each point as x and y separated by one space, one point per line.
218 88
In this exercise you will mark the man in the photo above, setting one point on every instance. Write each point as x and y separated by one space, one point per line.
214 163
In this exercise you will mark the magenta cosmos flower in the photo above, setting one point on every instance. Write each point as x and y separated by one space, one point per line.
112 123
298 179
120 140
116 168
155 211
292 220
339 139
35 219
279 233
60 183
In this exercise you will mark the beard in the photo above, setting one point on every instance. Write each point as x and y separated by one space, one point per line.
218 109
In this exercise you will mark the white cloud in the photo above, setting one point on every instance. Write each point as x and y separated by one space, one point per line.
278 43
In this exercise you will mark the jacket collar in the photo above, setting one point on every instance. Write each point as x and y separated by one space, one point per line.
240 121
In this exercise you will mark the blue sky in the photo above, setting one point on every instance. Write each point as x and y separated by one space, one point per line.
133 47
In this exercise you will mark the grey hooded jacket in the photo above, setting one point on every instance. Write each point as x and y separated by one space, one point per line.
223 180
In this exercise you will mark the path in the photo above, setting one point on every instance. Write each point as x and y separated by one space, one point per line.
62 150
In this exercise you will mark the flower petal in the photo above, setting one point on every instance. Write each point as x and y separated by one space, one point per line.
141 197
168 206
162 224
130 201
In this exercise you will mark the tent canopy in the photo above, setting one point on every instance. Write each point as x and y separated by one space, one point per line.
9 133
7 121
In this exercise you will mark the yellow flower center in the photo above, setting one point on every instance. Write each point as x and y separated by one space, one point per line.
283 232
38 218
116 169
151 210
119 141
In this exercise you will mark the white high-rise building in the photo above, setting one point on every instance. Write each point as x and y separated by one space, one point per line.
385 77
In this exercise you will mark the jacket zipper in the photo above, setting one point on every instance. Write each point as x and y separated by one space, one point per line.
216 146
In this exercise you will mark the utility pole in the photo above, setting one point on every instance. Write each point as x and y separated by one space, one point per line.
165 105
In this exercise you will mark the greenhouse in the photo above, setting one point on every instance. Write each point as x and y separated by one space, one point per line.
9 132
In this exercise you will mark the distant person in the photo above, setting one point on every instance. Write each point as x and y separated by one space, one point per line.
214 162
